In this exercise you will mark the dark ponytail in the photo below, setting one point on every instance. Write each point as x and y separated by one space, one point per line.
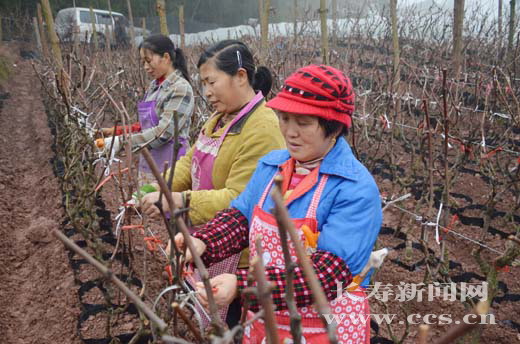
230 56
160 45
263 80
179 62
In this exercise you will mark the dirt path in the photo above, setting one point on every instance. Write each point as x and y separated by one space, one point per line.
38 298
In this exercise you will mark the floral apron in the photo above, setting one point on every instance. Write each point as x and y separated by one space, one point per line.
348 330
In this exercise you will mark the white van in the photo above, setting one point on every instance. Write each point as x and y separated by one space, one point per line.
67 18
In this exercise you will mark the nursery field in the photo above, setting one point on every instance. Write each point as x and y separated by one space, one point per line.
442 143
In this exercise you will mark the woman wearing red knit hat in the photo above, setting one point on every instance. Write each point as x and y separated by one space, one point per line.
332 199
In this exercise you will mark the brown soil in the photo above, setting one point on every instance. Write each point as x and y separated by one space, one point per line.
37 292
471 191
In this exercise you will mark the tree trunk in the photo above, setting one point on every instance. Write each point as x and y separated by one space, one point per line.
295 23
181 26
511 37
500 3
144 27
36 34
45 48
395 43
324 34
53 37
263 7
108 42
335 24
458 24
94 32
111 32
161 11
131 22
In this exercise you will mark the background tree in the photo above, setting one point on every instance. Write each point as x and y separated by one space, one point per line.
458 24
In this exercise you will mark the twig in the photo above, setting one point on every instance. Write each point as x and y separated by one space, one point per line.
290 265
188 322
161 325
215 318
320 300
423 333
264 294
460 330
514 239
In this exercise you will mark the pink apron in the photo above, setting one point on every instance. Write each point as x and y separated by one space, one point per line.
148 119
313 330
204 154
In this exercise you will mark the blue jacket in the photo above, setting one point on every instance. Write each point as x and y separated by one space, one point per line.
349 213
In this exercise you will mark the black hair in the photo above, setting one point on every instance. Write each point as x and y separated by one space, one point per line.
230 56
160 45
332 127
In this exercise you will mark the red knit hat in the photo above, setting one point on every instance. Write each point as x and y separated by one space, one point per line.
321 91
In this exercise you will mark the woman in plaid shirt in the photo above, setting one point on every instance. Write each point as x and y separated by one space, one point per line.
169 93
331 197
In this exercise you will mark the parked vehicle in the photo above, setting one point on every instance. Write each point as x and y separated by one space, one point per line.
80 17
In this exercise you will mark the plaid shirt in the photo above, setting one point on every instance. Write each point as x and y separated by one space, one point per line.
228 233
173 95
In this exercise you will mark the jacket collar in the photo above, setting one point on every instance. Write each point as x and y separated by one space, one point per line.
170 79
339 161
235 129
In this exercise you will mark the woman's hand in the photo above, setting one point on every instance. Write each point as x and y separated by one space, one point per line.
149 208
199 245
224 287
107 131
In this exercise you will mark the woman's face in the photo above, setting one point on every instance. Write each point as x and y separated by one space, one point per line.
155 65
304 137
223 91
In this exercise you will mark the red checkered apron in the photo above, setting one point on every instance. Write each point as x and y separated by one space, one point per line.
351 309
